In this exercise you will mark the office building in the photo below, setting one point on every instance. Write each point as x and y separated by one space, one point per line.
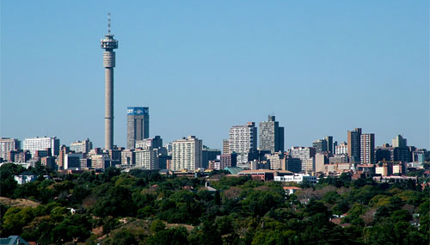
354 145
84 146
320 145
341 149
137 125
109 44
302 153
73 160
367 150
187 154
243 141
155 142
43 143
7 145
209 155
330 145
271 136
320 161
147 158
225 146
292 164
128 157
228 160
399 141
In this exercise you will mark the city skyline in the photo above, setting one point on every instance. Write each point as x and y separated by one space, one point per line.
386 69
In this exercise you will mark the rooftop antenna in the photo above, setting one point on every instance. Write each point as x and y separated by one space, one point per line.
108 23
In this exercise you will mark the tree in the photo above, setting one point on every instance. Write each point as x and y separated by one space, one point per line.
173 236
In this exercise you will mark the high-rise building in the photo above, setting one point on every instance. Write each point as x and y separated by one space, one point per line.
320 145
399 141
147 158
330 145
354 144
243 141
7 145
35 144
367 150
225 146
271 136
81 146
109 44
137 125
341 149
187 154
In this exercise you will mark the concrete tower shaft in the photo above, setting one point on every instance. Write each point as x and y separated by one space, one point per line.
109 44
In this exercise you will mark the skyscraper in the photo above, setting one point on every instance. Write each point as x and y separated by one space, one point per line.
367 150
354 144
137 125
243 141
187 154
271 136
330 146
109 44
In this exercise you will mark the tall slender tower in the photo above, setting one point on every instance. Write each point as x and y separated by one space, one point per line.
109 44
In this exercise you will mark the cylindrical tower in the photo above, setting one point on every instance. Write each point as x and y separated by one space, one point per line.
109 44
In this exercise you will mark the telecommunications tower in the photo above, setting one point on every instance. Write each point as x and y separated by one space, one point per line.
109 44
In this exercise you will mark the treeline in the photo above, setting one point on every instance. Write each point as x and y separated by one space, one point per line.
144 207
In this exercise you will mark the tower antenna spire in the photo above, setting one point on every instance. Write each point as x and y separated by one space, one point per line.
108 23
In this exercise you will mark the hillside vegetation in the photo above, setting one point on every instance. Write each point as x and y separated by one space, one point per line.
144 207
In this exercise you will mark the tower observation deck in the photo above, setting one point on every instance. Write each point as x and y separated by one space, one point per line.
109 44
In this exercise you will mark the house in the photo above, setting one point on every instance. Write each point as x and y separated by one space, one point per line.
291 189
25 177
13 240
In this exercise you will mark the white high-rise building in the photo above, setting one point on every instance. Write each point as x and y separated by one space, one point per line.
187 154
40 144
6 145
367 148
147 158
243 141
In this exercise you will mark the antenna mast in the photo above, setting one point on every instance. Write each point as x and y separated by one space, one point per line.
108 23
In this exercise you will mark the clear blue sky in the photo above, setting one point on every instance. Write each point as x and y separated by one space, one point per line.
322 67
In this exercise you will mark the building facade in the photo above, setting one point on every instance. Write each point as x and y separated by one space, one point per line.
399 141
320 145
341 149
271 136
7 145
137 125
84 146
147 158
43 143
187 154
354 145
243 141
367 150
